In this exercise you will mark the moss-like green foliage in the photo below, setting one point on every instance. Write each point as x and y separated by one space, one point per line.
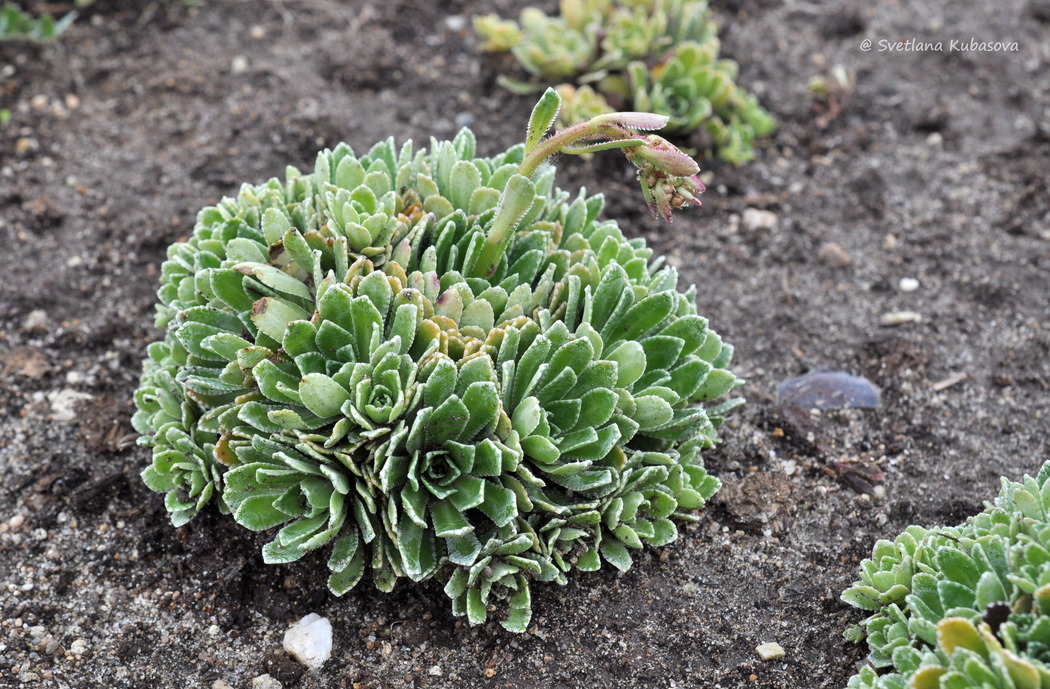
962 607
657 56
333 366
16 24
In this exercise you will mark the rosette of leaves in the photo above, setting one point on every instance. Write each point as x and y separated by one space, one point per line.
435 365
965 606
698 90
554 48
651 55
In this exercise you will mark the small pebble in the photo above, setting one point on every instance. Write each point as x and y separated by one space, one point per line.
239 65
831 254
16 521
908 284
78 647
769 651
63 404
889 242
266 682
310 640
35 322
221 684
214 630
900 317
827 390
435 671
53 647
756 219
257 32
26 144
456 22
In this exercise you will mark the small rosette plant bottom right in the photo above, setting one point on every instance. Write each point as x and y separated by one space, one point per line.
962 607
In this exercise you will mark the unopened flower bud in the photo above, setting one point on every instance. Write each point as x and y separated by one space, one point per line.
668 176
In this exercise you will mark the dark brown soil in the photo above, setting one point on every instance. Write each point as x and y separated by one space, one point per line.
935 168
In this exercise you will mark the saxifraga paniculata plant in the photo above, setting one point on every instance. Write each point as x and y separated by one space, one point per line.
438 366
965 607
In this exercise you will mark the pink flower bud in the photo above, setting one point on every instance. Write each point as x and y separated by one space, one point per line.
664 156
668 176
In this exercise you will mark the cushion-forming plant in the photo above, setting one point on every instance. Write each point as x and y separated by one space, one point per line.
654 55
437 365
964 607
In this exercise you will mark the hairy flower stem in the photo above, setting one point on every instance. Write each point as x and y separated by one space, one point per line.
662 164
521 192
598 128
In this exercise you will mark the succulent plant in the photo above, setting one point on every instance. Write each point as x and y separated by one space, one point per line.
965 606
656 55
437 365
697 90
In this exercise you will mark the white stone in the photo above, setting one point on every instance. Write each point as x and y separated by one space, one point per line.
908 284
35 322
78 647
221 684
435 671
310 640
456 22
266 682
756 219
769 651
64 402
900 317
239 64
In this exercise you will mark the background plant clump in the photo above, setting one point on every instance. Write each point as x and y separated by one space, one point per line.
657 56
17 24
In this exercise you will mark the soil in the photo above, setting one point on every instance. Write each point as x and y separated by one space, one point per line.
935 167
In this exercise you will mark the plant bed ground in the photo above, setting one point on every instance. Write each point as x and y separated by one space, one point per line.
935 168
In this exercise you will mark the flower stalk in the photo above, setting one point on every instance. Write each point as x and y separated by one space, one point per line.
668 176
